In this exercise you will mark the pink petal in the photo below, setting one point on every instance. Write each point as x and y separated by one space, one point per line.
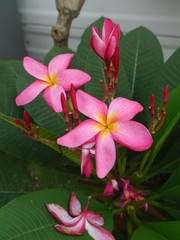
62 216
52 97
105 153
97 44
133 135
116 33
76 229
74 205
91 107
107 29
35 68
110 187
31 92
59 63
59 213
110 49
80 135
122 109
86 164
95 218
98 233
73 76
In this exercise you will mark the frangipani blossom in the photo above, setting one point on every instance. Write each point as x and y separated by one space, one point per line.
105 47
107 125
77 221
54 80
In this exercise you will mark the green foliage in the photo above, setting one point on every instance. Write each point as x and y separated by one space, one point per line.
158 231
27 166
32 220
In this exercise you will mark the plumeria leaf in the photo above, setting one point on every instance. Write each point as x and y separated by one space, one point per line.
141 55
26 217
15 178
46 138
84 46
171 188
171 121
10 71
158 231
168 74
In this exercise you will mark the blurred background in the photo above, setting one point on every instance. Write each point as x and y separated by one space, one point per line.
25 25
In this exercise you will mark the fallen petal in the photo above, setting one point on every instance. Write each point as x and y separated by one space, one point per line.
74 205
98 233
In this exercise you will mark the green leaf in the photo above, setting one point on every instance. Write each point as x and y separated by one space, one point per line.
141 55
171 188
15 179
168 75
26 217
9 73
158 231
84 46
172 118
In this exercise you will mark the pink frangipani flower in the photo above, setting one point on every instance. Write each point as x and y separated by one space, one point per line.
107 125
54 80
77 221
105 47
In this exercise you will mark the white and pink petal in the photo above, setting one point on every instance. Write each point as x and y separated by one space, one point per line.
74 205
98 233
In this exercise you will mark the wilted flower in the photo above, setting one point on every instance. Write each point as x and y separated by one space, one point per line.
77 221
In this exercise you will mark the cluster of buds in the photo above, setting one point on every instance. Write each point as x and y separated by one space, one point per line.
27 128
129 194
157 115
70 109
107 48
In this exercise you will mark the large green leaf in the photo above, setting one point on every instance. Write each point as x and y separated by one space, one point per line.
141 55
9 73
27 218
171 188
14 178
84 46
171 121
158 231
169 74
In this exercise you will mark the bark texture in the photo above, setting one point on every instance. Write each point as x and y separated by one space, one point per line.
68 10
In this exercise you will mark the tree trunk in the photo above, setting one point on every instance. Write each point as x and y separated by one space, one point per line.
68 10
